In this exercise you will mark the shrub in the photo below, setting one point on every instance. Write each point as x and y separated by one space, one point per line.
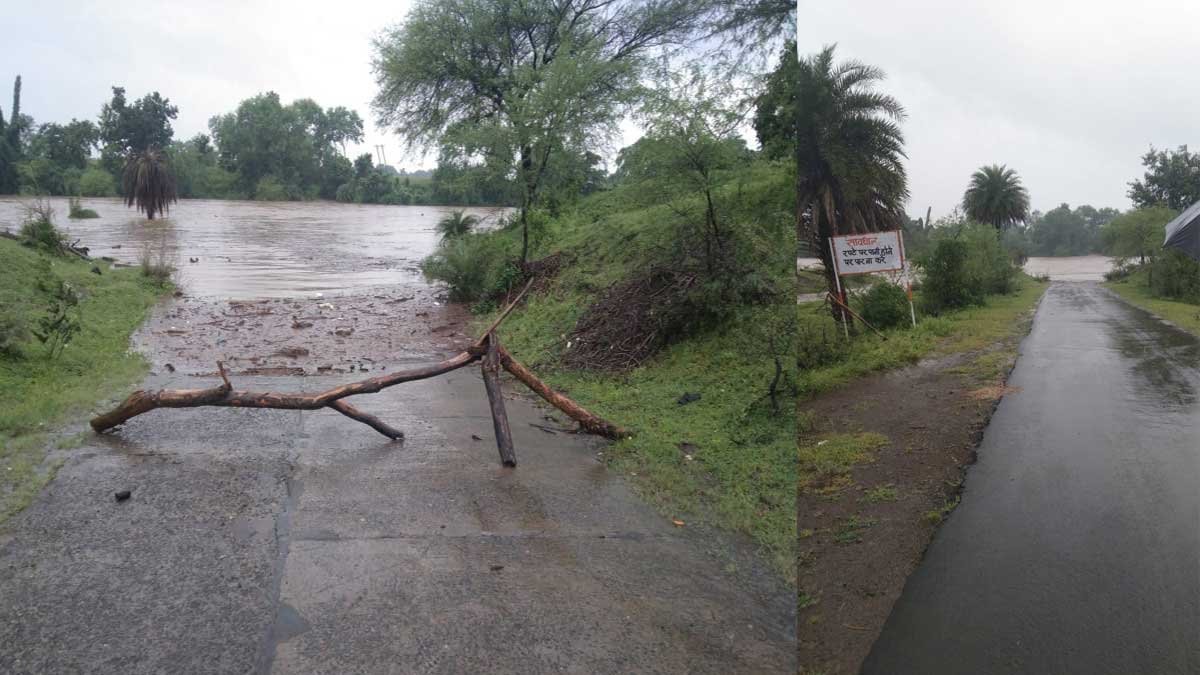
964 268
61 322
39 230
946 284
13 332
156 263
1174 275
885 306
820 345
456 224
474 266
96 182
76 210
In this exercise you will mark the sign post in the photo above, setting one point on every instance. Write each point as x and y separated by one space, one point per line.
855 254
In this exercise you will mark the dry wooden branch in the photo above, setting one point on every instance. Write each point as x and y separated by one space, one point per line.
142 401
491 382
590 422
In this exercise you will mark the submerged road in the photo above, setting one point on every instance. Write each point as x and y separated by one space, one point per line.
1076 548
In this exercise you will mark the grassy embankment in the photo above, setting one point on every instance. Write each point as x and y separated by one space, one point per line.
726 459
974 329
1136 291
38 392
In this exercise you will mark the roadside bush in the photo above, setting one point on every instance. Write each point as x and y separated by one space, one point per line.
946 282
474 267
989 264
963 269
820 345
1176 276
885 306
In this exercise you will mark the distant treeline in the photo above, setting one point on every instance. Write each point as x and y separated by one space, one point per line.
263 150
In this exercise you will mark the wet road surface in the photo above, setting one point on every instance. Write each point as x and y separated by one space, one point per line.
1076 548
302 542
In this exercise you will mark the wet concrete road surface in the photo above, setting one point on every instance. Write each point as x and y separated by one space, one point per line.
1076 548
289 542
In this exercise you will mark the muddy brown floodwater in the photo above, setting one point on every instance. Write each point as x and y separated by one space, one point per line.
251 250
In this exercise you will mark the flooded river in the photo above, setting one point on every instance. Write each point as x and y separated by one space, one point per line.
1072 268
246 250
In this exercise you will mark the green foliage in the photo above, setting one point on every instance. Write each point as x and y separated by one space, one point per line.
457 223
849 149
269 189
75 209
820 345
995 196
1064 231
36 392
38 229
1138 233
11 150
96 182
966 267
13 332
947 283
1176 276
1172 179
474 266
885 306
128 129
149 182
61 322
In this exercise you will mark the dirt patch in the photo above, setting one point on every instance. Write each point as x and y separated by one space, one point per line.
370 331
864 524
629 322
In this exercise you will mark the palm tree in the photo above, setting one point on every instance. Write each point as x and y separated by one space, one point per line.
148 182
849 154
995 196
455 224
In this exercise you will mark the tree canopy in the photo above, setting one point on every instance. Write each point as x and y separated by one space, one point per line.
126 129
1172 179
521 80
995 196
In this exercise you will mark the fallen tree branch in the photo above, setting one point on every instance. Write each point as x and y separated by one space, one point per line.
589 421
140 402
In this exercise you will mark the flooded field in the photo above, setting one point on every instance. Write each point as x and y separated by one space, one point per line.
245 250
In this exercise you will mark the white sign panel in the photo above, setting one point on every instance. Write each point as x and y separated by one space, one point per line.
866 253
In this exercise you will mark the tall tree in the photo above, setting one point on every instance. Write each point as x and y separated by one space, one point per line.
524 78
1172 178
127 129
67 145
10 143
995 196
846 140
1138 233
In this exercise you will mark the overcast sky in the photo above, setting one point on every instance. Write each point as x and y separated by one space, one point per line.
1070 93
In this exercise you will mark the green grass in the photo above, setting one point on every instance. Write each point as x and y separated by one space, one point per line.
882 493
1136 291
959 331
742 471
828 457
38 393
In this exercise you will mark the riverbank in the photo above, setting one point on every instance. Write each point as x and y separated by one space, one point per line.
1136 291
882 459
38 392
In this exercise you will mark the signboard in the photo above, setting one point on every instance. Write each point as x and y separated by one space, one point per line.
866 253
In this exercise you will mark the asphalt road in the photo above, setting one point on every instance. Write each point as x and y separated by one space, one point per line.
1076 548
302 542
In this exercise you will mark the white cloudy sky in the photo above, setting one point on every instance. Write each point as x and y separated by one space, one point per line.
1070 93
205 56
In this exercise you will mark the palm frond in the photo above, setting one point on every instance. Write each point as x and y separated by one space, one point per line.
148 182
